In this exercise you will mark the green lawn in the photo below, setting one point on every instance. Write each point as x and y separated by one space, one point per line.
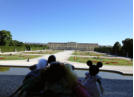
43 52
106 61
85 53
17 57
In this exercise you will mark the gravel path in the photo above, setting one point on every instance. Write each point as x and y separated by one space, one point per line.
62 57
113 87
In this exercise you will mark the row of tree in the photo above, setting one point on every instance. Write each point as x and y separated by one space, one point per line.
6 41
126 49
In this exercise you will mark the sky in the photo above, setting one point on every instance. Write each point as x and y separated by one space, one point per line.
84 21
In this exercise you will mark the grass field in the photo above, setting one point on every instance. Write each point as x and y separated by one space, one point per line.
43 52
106 61
17 57
84 53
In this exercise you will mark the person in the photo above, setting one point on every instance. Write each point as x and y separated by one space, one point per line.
58 80
35 69
93 80
41 64
51 59
32 82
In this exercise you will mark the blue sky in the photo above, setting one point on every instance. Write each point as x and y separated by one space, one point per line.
85 21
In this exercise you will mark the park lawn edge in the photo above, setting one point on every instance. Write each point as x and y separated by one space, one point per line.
72 60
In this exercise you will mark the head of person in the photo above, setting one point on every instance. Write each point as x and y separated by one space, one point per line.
55 72
41 64
51 59
94 69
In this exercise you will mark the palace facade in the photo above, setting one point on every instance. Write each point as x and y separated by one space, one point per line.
72 46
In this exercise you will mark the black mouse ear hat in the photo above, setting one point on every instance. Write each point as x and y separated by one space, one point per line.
89 63
99 64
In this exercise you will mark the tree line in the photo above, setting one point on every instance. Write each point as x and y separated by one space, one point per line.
126 49
7 43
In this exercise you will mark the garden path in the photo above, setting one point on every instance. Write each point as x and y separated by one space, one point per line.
62 57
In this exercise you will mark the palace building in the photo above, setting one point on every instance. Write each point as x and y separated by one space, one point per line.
72 46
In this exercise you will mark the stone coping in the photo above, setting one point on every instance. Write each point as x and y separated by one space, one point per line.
77 68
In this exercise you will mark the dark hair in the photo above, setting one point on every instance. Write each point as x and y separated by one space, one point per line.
55 72
51 59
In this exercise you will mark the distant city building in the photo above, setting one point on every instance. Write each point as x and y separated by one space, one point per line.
72 46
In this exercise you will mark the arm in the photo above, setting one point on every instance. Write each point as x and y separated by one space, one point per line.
100 85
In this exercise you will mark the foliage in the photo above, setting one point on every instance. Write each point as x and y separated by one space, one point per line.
11 48
104 49
116 48
125 50
5 37
16 43
18 48
128 47
9 45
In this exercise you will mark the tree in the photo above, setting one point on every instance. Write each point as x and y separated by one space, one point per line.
18 43
5 37
28 47
116 48
128 47
104 49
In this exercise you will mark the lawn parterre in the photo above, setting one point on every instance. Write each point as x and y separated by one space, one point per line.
17 57
86 53
106 61
43 52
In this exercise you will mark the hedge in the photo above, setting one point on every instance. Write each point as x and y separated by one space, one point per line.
18 48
